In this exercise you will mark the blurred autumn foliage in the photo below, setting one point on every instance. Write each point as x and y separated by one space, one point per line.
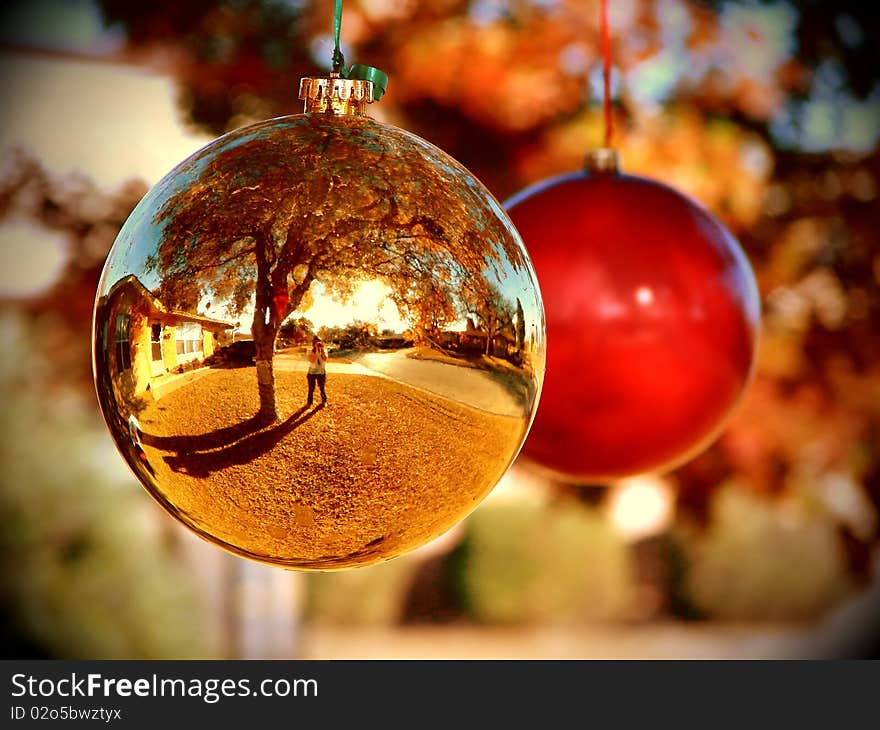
768 113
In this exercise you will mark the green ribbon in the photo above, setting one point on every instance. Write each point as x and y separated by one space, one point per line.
370 73
338 58
357 70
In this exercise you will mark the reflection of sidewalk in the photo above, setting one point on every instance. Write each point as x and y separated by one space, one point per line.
465 385
295 363
169 382
468 386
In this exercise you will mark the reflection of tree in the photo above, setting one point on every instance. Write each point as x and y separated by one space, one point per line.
337 201
429 304
297 330
355 334
520 327
492 312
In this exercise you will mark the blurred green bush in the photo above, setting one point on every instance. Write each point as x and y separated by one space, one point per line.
765 560
542 562
371 596
86 570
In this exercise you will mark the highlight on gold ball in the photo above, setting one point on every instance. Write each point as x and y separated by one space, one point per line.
319 341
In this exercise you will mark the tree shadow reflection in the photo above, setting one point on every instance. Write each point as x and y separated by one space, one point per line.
215 439
520 388
201 455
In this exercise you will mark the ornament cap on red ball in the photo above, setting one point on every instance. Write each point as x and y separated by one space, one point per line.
603 160
652 315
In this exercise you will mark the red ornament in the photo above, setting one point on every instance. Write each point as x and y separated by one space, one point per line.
281 300
652 314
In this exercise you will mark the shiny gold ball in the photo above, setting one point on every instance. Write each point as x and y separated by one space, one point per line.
212 378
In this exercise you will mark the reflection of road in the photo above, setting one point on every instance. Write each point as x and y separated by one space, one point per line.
465 385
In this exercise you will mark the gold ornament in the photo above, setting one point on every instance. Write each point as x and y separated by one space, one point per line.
323 222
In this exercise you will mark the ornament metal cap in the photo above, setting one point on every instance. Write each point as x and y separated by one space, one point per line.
603 160
336 95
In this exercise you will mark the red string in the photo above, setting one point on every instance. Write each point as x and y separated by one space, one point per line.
606 74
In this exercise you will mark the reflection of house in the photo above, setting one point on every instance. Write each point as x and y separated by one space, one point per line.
142 340
392 342
474 339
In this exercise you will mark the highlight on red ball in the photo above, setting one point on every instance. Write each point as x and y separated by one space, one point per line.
652 316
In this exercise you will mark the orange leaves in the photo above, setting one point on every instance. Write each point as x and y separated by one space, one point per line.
509 77
717 162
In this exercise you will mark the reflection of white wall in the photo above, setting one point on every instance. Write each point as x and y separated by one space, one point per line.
109 121
31 258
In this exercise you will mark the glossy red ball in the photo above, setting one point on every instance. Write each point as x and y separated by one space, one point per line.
652 316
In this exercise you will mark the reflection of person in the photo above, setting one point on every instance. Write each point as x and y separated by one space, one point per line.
317 372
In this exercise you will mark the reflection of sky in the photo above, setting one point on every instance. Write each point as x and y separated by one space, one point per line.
139 237
369 303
